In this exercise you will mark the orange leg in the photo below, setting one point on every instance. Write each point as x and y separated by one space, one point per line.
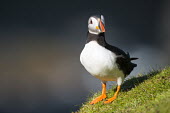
101 97
114 97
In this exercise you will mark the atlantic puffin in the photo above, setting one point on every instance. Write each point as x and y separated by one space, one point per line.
102 60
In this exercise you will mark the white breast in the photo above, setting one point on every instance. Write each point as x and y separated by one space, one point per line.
100 62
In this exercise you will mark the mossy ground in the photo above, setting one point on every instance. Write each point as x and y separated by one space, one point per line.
148 93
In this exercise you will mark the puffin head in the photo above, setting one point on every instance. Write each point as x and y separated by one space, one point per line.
96 24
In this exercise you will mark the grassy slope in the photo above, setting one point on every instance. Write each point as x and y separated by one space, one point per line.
144 94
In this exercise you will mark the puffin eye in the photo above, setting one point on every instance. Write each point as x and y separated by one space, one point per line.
91 22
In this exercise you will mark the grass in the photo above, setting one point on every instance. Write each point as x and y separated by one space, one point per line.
149 93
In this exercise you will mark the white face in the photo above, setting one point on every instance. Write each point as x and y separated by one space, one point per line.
96 25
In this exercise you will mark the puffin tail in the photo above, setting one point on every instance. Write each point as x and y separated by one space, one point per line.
130 68
131 65
134 58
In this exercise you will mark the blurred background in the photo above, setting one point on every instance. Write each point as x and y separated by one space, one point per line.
40 44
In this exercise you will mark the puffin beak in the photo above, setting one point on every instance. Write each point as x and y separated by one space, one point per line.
102 28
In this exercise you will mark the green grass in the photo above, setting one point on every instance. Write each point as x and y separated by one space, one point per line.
149 93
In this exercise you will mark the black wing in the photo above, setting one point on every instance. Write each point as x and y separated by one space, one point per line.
123 60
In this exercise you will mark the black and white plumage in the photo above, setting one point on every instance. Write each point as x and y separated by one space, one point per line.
104 61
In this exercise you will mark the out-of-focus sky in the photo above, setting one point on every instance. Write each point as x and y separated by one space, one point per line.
40 44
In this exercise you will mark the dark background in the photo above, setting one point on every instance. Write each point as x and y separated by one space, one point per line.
40 44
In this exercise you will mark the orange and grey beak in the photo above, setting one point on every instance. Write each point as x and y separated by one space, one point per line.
102 28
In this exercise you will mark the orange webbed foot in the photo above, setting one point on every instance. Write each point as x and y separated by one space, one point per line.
114 97
109 100
98 99
101 97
